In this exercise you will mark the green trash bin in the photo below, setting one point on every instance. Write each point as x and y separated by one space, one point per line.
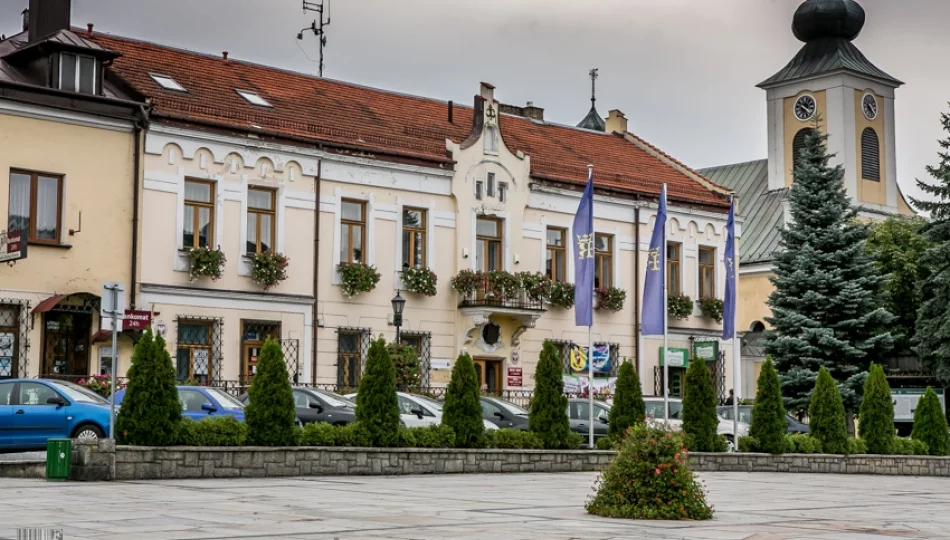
58 459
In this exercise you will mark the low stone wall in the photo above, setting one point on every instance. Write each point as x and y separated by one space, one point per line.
103 461
822 463
23 469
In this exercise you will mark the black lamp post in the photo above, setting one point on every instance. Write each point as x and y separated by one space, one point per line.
398 304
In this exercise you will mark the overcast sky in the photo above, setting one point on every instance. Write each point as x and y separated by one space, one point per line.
683 71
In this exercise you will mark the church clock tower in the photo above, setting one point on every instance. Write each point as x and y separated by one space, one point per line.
830 85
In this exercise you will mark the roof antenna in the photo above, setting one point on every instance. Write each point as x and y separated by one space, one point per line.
593 86
317 28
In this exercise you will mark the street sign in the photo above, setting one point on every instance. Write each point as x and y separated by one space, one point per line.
515 381
12 246
136 319
113 298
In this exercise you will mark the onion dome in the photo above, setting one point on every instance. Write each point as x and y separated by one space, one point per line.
828 19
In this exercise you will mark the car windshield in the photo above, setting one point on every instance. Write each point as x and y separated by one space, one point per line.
225 399
431 403
655 408
334 400
79 394
510 407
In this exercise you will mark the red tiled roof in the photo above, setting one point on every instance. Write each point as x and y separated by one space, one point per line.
387 123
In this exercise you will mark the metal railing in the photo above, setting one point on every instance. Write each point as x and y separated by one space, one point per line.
486 295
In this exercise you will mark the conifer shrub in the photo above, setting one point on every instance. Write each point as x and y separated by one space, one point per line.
548 419
876 425
930 425
908 447
377 407
650 479
213 431
151 413
270 412
700 420
800 443
826 415
512 438
768 413
463 406
628 408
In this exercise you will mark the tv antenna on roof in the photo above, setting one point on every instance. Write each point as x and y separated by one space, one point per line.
317 27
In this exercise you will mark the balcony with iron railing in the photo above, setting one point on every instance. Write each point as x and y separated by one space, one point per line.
498 289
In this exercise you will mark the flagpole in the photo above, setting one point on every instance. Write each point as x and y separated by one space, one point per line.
590 336
736 353
666 322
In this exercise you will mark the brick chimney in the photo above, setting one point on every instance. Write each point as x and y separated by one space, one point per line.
616 122
536 113
47 17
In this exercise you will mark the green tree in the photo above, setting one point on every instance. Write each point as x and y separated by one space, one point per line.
548 418
270 411
933 320
628 408
377 408
826 306
406 364
768 413
463 405
826 415
876 426
700 421
151 413
898 246
930 424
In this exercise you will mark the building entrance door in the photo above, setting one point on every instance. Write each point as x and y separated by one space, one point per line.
66 344
489 374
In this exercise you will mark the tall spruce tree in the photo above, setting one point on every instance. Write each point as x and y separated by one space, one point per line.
826 306
933 320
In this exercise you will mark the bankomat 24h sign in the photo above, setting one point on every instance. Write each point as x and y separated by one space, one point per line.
12 246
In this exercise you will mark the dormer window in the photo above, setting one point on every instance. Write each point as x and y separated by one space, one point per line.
253 98
77 73
167 82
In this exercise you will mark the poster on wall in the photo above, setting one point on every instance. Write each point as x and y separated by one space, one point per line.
604 387
601 358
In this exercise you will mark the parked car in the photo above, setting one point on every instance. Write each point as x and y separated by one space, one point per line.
420 411
199 402
504 414
745 415
314 405
34 410
578 412
654 411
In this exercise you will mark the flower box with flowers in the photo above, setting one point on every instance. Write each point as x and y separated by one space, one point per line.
420 281
610 298
269 269
205 262
357 277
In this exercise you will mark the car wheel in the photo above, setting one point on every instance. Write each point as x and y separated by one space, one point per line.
88 432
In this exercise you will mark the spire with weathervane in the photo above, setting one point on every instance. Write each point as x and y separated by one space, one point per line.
593 120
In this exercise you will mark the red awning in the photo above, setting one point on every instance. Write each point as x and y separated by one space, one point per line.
49 303
102 336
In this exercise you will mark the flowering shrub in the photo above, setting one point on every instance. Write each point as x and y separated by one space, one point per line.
610 298
679 306
534 284
100 384
650 479
420 280
712 308
467 281
268 269
205 262
357 277
561 294
503 284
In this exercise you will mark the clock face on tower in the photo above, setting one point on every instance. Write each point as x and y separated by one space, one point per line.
869 106
805 107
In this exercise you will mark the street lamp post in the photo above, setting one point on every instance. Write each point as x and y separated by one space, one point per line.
398 304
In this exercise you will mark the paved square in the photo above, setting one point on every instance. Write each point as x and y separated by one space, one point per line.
504 507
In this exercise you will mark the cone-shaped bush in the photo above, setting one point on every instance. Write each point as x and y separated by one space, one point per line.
628 408
930 424
876 424
650 479
463 407
548 418
700 421
377 408
150 413
270 410
768 414
826 415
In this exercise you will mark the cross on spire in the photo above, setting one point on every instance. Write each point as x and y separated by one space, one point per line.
593 86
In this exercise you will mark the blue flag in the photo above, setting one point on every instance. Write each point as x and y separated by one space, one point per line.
729 260
652 322
584 256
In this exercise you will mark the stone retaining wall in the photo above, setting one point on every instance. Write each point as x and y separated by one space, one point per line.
822 463
23 469
103 461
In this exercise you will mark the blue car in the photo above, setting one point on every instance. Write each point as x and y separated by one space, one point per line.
199 402
34 410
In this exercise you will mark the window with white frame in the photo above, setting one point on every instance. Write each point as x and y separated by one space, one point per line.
77 73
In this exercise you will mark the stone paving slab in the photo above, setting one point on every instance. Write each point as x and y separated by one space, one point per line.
749 506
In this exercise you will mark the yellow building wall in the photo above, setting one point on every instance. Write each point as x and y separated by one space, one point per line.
753 295
793 125
870 191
